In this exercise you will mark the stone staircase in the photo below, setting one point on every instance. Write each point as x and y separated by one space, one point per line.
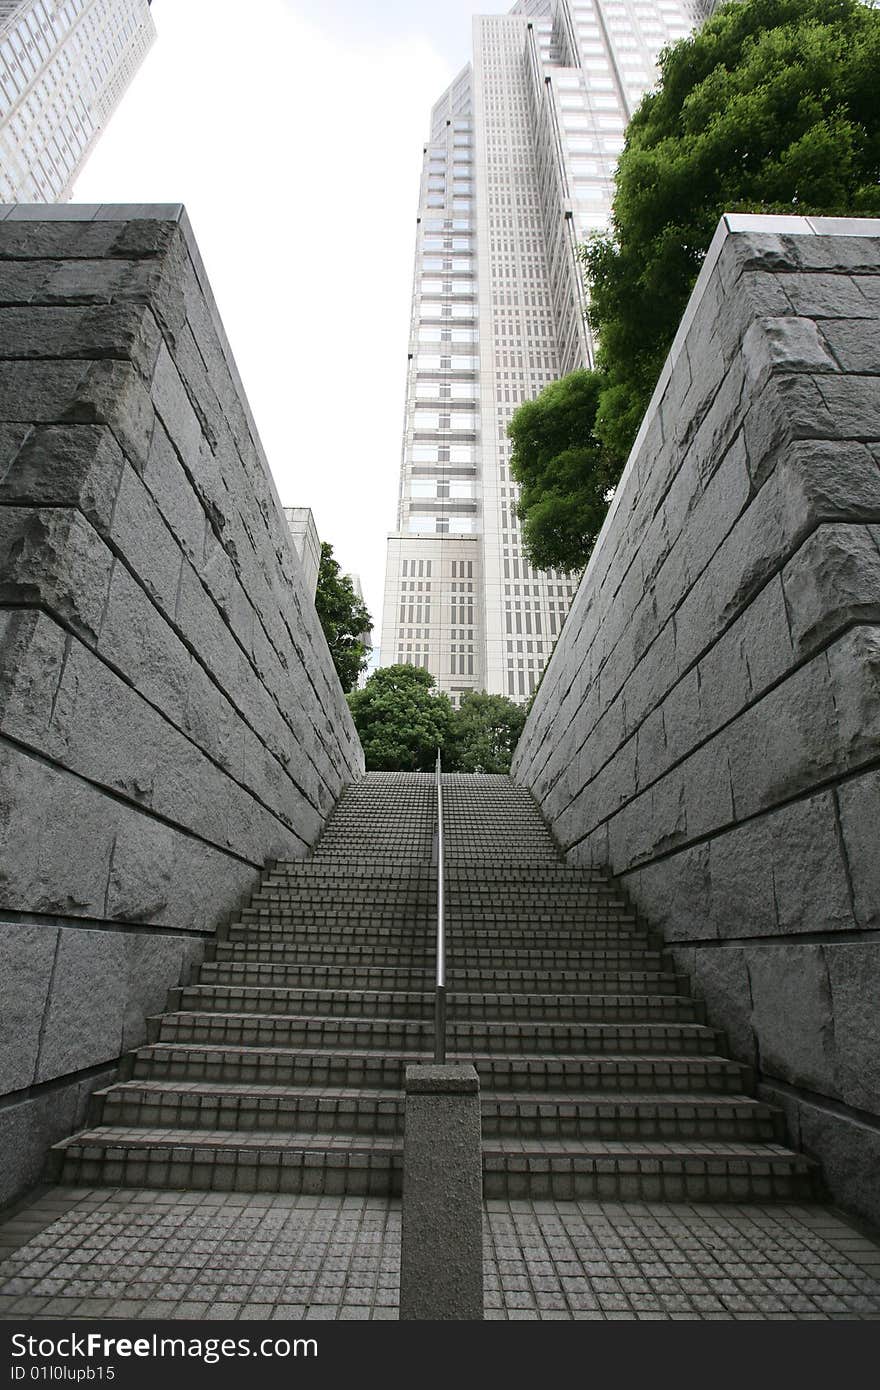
282 1069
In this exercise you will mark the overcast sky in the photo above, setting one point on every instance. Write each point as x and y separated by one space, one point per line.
293 130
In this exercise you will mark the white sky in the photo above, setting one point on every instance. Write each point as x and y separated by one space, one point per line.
292 130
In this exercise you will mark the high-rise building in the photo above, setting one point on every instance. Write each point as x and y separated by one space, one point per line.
517 171
64 65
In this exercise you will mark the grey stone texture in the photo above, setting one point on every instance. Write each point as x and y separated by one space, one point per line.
709 725
441 1250
170 719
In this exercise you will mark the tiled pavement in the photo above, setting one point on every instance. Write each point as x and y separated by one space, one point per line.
77 1253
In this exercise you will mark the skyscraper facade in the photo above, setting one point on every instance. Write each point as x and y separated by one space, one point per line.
64 65
517 171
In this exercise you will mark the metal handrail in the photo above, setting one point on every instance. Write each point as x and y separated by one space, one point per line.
440 982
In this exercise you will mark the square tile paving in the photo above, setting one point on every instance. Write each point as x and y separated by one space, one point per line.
121 1253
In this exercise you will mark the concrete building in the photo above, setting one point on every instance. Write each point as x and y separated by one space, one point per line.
517 172
64 65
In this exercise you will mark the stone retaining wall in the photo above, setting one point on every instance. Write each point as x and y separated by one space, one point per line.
709 725
170 718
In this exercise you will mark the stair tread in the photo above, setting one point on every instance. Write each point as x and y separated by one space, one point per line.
541 1058
125 1136
256 1090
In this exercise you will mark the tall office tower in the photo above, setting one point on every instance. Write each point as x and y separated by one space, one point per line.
517 171
64 65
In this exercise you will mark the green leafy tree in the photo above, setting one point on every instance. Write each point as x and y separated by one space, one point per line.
400 719
773 106
486 731
565 474
344 619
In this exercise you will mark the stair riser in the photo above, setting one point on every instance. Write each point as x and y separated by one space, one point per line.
494 982
221 1174
459 958
551 1123
531 1075
669 1184
478 931
218 1031
345 1004
290 1174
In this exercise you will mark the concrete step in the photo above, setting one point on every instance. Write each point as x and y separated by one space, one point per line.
223 1161
226 1161
416 1035
420 1004
501 938
301 1066
322 976
462 955
653 1171
328 1110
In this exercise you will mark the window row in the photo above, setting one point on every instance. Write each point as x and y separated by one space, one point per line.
435 487
439 525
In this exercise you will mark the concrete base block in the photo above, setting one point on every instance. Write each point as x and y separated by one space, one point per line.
441 1258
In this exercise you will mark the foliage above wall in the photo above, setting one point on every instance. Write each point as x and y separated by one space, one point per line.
402 720
774 106
344 618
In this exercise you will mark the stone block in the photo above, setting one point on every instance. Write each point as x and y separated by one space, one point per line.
684 716
84 1018
848 1148
155 963
791 408
61 864
174 495
67 240
789 741
859 802
791 344
56 466
854 671
138 640
162 876
27 955
854 972
33 652
652 754
707 794
740 899
854 342
827 295
174 408
54 559
124 331
150 547
854 402
721 978
792 1014
722 683
673 894
30 1125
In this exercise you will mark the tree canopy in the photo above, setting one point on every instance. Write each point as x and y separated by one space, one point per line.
563 471
774 105
485 733
401 719
343 617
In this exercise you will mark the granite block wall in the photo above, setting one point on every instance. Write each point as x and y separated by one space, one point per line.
709 725
170 719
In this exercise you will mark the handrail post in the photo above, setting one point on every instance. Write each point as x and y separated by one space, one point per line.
440 981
